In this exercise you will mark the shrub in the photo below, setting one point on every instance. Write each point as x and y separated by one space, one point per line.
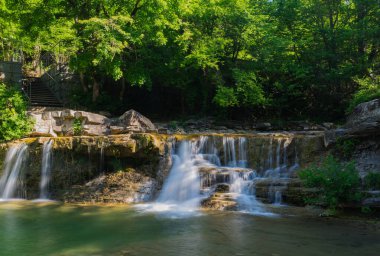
14 122
372 181
77 127
369 89
173 125
337 183
344 148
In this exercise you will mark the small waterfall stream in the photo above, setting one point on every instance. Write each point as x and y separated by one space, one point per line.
197 173
11 182
46 169
183 184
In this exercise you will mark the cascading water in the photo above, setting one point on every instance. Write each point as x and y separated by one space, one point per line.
181 191
197 173
46 169
229 151
243 161
183 184
11 182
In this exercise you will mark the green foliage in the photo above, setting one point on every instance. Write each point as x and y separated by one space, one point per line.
14 122
369 89
246 91
345 147
372 181
173 125
336 182
225 97
296 59
77 127
116 164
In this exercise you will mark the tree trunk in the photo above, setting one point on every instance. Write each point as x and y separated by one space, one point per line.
82 82
95 90
122 90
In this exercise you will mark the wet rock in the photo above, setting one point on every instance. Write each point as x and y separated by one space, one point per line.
371 202
222 188
220 201
120 187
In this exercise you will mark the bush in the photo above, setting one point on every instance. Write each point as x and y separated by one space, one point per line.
77 127
337 183
372 181
14 122
369 89
344 148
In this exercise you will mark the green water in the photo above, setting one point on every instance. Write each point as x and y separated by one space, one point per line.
35 229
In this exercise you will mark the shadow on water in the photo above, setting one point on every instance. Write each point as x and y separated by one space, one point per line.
28 228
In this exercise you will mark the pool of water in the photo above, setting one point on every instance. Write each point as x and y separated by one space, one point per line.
28 228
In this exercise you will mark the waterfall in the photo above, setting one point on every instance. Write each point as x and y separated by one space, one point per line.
183 184
278 197
243 161
270 153
46 169
201 172
278 154
101 162
12 179
181 192
229 151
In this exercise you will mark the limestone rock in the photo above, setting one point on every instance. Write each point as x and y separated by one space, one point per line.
263 126
332 135
222 188
120 187
365 119
134 121
117 129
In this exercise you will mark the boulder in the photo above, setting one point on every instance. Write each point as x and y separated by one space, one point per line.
365 119
53 123
134 121
263 126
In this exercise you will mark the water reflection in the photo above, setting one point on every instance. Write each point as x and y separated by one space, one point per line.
53 229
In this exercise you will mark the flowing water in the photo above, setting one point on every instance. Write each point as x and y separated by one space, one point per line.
45 169
11 182
28 229
174 224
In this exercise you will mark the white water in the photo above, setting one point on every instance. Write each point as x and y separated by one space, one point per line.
229 151
183 183
243 159
180 195
12 178
196 172
46 169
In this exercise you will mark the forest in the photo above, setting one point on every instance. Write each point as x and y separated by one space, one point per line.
252 59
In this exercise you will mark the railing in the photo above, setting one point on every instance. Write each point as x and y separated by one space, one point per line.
51 79
26 87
